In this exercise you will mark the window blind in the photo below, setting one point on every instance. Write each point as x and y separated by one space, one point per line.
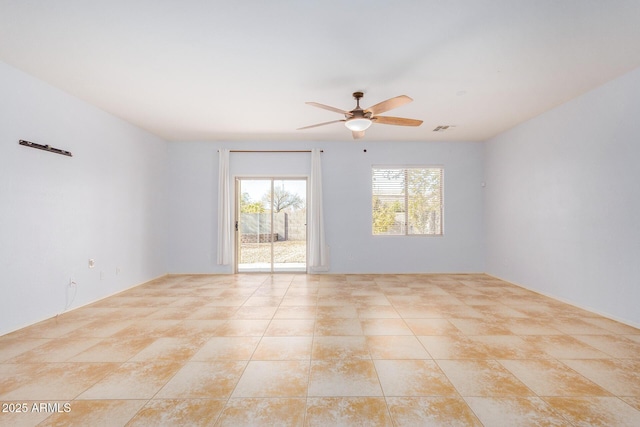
407 200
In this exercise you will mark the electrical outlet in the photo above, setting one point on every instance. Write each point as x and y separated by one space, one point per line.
92 263
101 275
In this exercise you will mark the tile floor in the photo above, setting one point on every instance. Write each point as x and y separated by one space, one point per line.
323 350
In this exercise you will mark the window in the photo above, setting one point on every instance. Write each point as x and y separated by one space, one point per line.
407 200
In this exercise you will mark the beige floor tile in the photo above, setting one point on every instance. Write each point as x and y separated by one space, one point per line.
431 411
347 411
13 347
368 301
514 411
453 347
271 290
612 326
264 301
172 313
147 328
283 348
213 313
460 311
595 411
531 326
90 314
295 312
396 347
122 300
620 377
366 291
534 310
340 347
577 326
410 309
98 329
483 378
15 376
336 300
290 327
508 347
203 380
178 412
54 351
169 349
499 311
299 301
564 347
226 348
614 345
326 326
377 312
385 327
192 302
95 413
195 328
413 378
332 291
432 327
52 328
273 379
250 412
633 401
481 326
634 338
353 377
337 312
255 312
53 381
548 377
114 349
228 299
139 380
242 328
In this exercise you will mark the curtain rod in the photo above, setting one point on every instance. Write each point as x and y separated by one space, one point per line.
271 151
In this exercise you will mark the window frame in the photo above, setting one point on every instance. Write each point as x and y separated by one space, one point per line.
405 167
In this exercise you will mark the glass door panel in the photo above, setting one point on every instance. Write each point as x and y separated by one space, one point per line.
254 225
290 225
271 225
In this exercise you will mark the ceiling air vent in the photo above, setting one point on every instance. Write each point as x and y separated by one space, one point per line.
442 128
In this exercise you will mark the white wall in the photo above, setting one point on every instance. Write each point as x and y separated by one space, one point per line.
562 204
193 168
107 202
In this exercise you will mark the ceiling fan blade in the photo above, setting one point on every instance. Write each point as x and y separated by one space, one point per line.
320 124
327 107
389 104
398 121
358 134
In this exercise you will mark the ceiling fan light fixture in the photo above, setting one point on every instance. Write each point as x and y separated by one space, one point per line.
357 124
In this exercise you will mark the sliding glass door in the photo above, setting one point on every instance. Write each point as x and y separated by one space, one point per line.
271 225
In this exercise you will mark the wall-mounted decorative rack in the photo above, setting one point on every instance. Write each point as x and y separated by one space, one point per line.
45 148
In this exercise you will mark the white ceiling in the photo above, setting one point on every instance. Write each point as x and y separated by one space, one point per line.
242 70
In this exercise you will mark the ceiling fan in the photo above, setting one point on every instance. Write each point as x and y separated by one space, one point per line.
359 120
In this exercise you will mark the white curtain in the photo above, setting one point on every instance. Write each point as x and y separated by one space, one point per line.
318 252
224 210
